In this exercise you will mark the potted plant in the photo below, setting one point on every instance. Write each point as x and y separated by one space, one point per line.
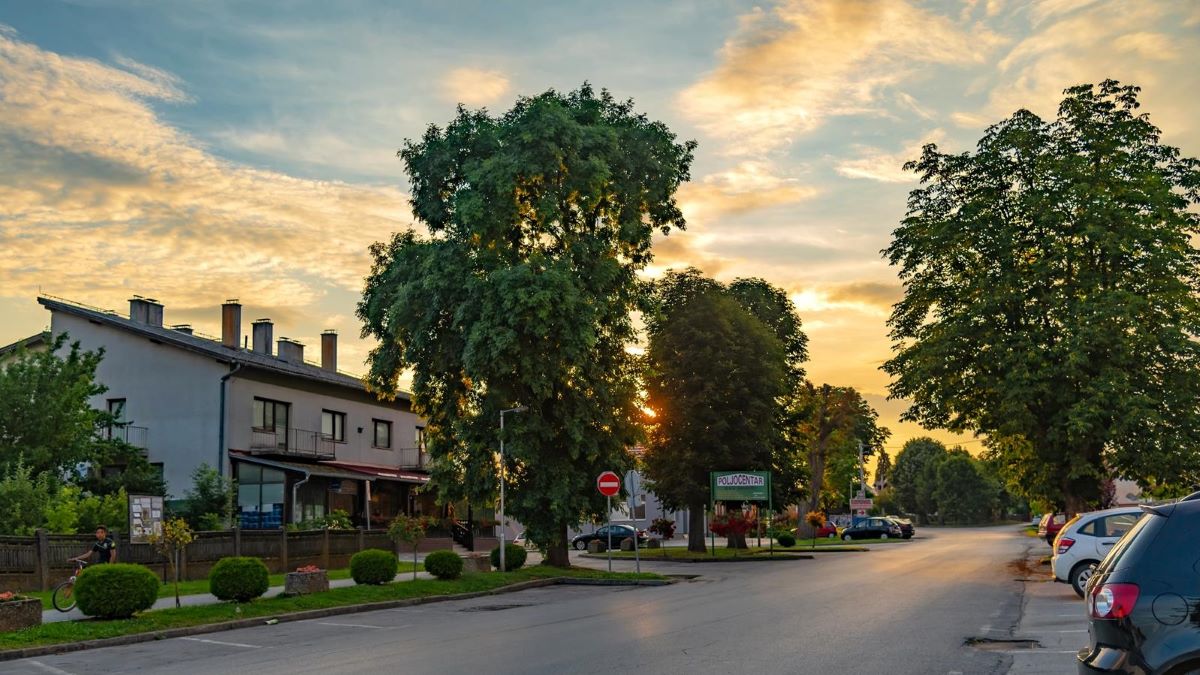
815 520
19 611
305 580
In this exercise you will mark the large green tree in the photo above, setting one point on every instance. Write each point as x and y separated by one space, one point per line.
715 377
832 422
538 220
1051 298
915 477
963 494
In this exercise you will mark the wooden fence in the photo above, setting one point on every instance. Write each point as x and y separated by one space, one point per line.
41 561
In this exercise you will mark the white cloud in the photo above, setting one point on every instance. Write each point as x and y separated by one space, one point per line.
879 165
475 86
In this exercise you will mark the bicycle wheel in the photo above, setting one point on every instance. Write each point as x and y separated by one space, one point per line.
64 596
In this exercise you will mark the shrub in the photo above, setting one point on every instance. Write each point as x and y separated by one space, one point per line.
373 566
116 591
663 527
786 540
446 564
514 557
241 579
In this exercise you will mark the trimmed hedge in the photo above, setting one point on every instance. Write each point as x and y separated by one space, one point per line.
514 557
786 540
374 566
116 590
239 578
445 564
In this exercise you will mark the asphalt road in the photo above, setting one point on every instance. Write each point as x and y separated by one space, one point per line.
900 608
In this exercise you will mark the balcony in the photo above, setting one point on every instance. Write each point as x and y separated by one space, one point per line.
138 437
294 442
411 458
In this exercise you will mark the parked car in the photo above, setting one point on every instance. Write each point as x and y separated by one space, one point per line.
1050 525
872 528
906 526
1142 601
828 531
1084 541
619 534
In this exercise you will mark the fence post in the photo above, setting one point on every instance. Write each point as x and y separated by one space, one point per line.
283 552
43 559
237 541
325 548
361 539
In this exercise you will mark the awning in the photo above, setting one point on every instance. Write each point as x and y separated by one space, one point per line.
382 473
320 470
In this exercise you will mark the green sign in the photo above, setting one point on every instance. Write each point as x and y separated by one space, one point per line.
741 486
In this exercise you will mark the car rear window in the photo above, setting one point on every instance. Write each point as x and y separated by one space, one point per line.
1134 545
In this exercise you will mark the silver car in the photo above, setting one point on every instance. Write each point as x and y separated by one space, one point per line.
1084 541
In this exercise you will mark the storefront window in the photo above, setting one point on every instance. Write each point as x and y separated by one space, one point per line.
260 497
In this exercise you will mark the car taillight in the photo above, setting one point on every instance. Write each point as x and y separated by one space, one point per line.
1065 544
1113 601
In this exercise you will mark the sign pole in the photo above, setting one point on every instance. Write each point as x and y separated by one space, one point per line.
637 557
712 510
608 529
770 515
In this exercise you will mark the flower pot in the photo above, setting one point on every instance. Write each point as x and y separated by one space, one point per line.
19 614
305 583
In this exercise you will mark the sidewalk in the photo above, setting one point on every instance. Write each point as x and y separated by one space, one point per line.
1055 617
53 615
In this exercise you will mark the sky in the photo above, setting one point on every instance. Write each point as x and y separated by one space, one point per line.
198 151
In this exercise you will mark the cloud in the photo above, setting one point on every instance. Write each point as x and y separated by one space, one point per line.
475 86
878 165
100 198
790 67
748 186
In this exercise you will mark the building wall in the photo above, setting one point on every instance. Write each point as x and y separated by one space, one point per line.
305 413
175 394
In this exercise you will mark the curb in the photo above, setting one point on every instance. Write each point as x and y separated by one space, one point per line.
186 631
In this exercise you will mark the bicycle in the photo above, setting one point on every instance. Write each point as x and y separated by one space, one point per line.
63 598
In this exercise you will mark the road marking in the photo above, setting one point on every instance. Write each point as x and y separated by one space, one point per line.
50 669
350 625
1036 651
1070 631
218 642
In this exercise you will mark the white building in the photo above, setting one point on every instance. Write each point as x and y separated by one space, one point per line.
302 439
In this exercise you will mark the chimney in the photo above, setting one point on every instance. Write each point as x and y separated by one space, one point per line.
329 350
231 324
264 334
185 328
145 310
291 351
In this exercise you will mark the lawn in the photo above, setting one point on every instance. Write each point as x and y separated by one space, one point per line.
73 631
200 586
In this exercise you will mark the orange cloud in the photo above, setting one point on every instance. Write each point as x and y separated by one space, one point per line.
475 86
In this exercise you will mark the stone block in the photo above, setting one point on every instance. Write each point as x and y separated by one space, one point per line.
596 546
18 614
305 583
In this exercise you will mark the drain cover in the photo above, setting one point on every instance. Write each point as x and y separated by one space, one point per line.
1001 645
490 608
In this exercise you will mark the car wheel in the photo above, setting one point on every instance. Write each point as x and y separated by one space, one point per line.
580 545
883 536
832 535
1080 575
846 537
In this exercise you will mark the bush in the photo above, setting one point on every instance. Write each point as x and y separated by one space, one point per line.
786 540
374 566
514 557
240 579
116 591
446 564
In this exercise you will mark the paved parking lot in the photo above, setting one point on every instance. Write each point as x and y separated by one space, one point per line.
1053 616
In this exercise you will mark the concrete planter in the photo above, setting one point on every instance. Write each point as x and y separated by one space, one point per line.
305 583
476 562
20 614
596 546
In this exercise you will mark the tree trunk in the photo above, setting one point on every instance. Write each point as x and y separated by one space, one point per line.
736 541
816 463
556 552
696 531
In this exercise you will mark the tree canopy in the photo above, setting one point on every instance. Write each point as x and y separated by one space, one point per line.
1051 298
539 220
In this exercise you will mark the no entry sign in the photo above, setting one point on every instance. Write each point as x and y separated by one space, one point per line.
608 483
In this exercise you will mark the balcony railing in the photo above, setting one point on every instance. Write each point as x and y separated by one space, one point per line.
411 458
138 437
299 442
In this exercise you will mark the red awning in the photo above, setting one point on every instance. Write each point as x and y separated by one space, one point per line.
383 472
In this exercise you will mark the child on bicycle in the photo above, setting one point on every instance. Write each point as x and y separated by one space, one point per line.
104 548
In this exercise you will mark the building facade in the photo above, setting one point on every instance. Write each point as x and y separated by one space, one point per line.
302 439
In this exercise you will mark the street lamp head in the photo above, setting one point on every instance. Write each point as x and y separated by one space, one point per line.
518 409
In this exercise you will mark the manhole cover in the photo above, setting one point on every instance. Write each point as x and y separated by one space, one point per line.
1001 645
490 608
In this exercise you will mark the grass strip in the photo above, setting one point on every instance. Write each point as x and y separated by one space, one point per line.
200 586
95 629
681 553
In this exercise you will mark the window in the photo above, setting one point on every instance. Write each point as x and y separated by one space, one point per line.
116 408
1091 529
271 419
383 434
333 425
420 439
260 497
1117 526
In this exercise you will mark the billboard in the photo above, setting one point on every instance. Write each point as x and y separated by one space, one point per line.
741 486
145 517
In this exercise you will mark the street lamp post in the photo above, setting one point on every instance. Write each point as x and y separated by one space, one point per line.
504 525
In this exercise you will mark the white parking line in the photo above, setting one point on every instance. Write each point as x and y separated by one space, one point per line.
49 669
218 642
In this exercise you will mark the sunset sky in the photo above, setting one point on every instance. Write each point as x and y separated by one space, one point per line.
194 152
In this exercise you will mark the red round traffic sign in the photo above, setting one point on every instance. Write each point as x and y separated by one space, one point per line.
608 483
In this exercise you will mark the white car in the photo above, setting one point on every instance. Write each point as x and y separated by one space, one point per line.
1085 540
